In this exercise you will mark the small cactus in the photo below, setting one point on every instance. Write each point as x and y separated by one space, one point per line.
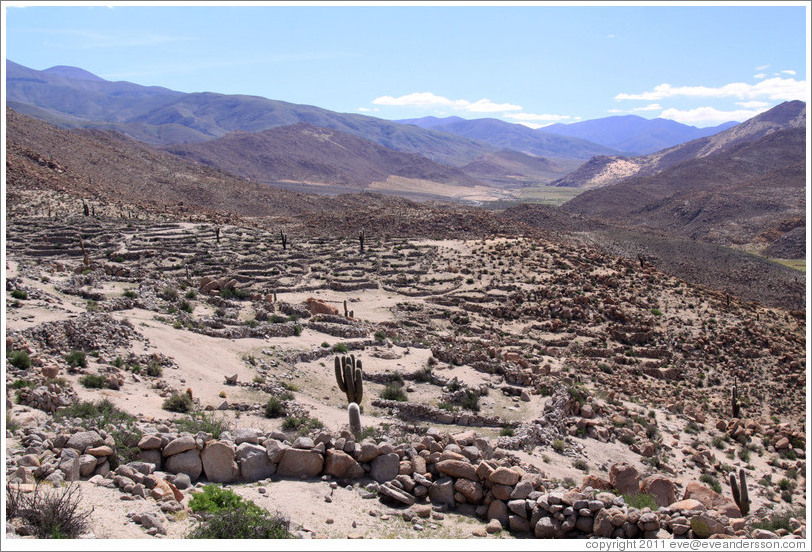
354 412
361 236
284 240
349 377
739 490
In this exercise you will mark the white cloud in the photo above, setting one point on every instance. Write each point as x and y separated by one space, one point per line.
772 89
367 110
753 104
428 99
762 67
610 36
707 116
649 107
789 72
760 76
534 126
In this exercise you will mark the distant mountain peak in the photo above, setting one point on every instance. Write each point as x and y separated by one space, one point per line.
71 72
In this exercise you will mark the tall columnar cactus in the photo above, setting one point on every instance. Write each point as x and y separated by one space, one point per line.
734 400
354 412
284 240
361 236
740 495
349 377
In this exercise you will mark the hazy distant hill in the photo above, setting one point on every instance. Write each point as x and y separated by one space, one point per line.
747 193
634 135
306 153
73 98
515 137
606 170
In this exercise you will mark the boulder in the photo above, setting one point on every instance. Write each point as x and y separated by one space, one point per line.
149 442
188 462
151 456
218 460
504 476
442 492
711 499
254 462
660 488
87 463
341 465
457 468
545 529
625 478
385 467
300 463
181 444
498 510
471 490
246 435
84 440
704 526
274 449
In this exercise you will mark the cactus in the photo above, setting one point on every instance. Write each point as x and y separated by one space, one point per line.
346 312
284 240
85 208
354 412
734 398
361 236
86 259
740 495
217 234
349 377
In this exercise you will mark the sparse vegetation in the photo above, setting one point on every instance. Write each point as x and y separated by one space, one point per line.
50 513
178 402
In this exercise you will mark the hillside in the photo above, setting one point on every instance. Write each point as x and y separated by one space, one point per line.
515 137
161 116
316 155
633 134
606 170
748 195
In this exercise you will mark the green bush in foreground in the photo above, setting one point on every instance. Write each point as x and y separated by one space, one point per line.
640 501
230 516
178 402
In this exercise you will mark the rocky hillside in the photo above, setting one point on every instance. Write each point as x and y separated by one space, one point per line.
606 170
748 195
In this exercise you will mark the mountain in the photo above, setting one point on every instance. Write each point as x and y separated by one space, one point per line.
606 170
314 155
749 194
515 137
72 98
634 135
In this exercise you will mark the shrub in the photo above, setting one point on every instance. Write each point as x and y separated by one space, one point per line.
779 520
640 501
186 306
242 523
380 336
19 294
234 293
130 294
711 482
76 359
20 383
470 401
154 370
580 464
274 408
302 424
202 421
340 348
656 312
506 431
191 294
178 402
215 498
559 445
20 359
52 514
93 381
393 392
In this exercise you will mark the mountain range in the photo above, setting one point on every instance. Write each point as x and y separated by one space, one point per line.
744 186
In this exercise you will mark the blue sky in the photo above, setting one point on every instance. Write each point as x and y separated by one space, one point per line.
534 64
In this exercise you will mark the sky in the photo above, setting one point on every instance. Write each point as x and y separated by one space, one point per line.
523 62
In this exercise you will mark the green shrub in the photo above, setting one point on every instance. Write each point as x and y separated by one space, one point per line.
203 421
559 445
234 293
130 294
779 520
178 402
470 401
21 383
93 381
340 348
214 498
19 294
393 392
506 431
303 424
656 312
186 306
154 370
19 359
274 408
191 294
711 482
242 523
640 501
581 464
76 359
